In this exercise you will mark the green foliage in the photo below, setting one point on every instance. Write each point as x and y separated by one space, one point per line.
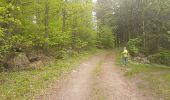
29 84
162 57
105 38
134 45
59 39
149 77
148 20
168 35
45 24
8 26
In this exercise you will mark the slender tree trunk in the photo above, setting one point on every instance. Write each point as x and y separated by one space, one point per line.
64 15
144 40
143 25
74 32
46 45
9 24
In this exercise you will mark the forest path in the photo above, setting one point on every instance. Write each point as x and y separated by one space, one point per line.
84 84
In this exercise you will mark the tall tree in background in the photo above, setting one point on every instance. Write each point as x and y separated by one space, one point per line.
142 25
64 9
105 34
46 24
62 25
9 24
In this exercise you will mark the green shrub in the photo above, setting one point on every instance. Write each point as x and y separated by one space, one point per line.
134 46
105 37
163 57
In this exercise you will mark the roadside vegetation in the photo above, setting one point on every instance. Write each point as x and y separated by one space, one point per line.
28 84
151 79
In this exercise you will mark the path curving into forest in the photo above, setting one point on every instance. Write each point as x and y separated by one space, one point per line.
83 84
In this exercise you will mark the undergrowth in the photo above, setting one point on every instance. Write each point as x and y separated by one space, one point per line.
153 77
25 85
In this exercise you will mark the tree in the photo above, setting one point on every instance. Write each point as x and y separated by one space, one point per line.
104 14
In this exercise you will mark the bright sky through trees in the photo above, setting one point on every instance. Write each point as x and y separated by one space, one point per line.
94 1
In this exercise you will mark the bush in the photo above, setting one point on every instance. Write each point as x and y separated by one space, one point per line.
105 37
163 57
134 46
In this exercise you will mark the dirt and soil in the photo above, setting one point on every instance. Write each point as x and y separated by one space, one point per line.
83 84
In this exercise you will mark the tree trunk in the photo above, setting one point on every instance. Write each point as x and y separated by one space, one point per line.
46 45
64 16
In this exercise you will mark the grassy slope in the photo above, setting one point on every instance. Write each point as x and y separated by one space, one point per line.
152 79
27 84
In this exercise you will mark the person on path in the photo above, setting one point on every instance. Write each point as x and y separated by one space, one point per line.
125 56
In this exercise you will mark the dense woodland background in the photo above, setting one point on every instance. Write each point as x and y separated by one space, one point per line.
56 28
31 30
141 25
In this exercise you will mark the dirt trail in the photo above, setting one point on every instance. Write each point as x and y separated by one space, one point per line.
112 84
79 85
75 86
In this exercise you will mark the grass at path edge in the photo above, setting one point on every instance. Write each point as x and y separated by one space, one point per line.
27 84
150 78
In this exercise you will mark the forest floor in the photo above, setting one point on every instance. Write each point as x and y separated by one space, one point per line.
97 78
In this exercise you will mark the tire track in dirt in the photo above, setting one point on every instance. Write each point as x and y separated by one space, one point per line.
75 86
83 84
111 84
